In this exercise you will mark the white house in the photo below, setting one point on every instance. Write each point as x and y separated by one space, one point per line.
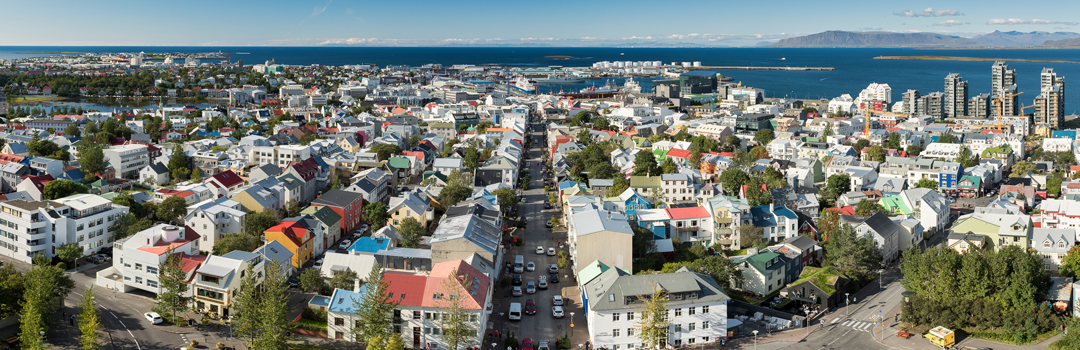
40 227
137 259
212 219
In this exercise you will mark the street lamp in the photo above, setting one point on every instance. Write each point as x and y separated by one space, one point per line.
571 324
880 272
755 339
847 301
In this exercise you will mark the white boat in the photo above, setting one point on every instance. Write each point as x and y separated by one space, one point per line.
559 79
632 85
523 84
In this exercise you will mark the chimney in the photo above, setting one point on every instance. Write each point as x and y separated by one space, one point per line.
356 285
770 207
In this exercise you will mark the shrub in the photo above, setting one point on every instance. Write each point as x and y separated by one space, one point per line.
314 314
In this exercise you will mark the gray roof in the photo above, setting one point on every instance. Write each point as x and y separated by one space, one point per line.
609 290
274 250
601 182
593 221
474 229
337 198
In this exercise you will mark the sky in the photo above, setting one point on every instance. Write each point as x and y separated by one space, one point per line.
490 22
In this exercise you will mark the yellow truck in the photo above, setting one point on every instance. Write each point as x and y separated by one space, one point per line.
941 336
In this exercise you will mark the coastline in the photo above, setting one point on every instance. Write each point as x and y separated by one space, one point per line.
975 59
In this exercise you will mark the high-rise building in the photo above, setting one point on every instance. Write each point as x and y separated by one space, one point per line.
980 107
911 102
1050 104
1003 80
932 105
956 95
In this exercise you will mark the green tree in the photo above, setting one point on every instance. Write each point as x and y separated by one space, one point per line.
893 141
1021 168
483 126
454 193
669 166
31 325
343 279
376 214
42 147
763 136
89 322
875 153
69 252
472 157
385 151
695 158
643 242
1070 264
868 208
256 223
375 318
174 288
859 145
914 150
394 343
851 255
836 185
91 159
311 280
196 175
235 241
619 185
273 309
172 209
245 307
750 235
458 330
411 232
730 143
645 163
733 180
507 199
946 138
177 161
62 188
966 158
652 326
72 130
927 183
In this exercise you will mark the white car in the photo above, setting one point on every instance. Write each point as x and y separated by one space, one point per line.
551 251
556 312
530 266
153 317
517 291
344 244
557 300
540 250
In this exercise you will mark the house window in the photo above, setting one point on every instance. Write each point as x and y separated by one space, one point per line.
630 332
691 311
1046 244
678 312
705 309
704 324
615 317
630 316
615 333
339 321
691 326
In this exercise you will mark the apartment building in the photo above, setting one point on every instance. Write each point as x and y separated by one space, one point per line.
212 219
128 159
218 279
279 155
35 228
137 260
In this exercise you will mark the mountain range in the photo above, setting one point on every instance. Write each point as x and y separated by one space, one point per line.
835 38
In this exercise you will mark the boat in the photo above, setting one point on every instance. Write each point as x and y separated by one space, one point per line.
599 90
632 85
523 84
559 79
783 58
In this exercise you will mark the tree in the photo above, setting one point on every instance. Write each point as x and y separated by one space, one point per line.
235 241
967 159
643 243
851 255
343 279
750 235
733 179
875 153
584 137
927 183
376 308
172 209
1070 264
457 327
42 147
385 150
411 232
245 307
859 145
619 185
89 322
837 185
868 208
914 150
69 252
335 181
645 163
394 343
72 130
603 123
730 143
311 280
174 287
652 327
257 223
454 193
946 138
376 214
482 128
196 175
763 136
1021 168
507 199
893 142
177 161
31 325
273 308
91 159
62 188
758 152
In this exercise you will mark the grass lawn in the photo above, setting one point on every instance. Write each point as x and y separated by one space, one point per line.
28 99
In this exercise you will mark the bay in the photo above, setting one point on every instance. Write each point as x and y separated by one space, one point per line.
855 68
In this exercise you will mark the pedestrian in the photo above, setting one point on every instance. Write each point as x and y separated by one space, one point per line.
71 320
64 315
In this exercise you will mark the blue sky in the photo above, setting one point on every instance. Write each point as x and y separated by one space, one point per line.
552 22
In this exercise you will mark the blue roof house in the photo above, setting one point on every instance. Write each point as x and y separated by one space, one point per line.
777 222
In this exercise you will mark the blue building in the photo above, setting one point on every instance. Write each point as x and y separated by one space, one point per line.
632 202
950 175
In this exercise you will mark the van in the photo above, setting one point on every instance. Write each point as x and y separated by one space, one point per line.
515 311
519 264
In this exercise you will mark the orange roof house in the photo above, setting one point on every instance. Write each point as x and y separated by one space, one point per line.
296 237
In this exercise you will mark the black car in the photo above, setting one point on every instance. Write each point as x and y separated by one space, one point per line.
547 205
517 280
294 282
554 278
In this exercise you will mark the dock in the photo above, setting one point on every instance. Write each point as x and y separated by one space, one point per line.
765 68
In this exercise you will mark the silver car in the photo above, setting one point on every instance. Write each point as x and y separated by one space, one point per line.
557 300
531 288
517 291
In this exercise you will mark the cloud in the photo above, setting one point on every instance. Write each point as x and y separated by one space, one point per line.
318 11
950 23
870 28
929 12
1018 21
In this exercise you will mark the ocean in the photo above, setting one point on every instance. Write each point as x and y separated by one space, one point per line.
855 68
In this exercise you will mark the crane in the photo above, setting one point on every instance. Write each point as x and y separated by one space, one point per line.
1000 100
866 116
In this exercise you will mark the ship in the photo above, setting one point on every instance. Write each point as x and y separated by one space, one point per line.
524 85
599 90
560 79
632 86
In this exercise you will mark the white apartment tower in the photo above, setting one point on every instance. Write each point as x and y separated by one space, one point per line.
1050 104
1003 83
956 96
911 103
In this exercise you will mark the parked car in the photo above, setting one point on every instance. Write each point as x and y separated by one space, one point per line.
517 280
557 312
543 284
517 291
542 345
557 300
527 344
553 268
530 288
530 266
554 278
345 244
153 317
530 307
539 250
551 251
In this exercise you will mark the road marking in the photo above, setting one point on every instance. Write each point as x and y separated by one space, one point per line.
126 329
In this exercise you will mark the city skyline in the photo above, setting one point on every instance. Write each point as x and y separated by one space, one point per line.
489 23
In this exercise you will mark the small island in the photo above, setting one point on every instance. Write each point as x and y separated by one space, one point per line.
956 58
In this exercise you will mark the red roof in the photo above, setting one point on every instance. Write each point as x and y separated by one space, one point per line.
228 179
160 247
405 289
681 153
191 262
466 275
172 192
294 230
687 213
39 181
418 154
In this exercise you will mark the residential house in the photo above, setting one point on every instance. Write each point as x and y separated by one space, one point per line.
763 272
138 259
1052 244
297 237
348 205
597 234
214 218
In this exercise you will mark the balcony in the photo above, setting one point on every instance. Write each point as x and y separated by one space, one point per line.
723 220
723 231
687 229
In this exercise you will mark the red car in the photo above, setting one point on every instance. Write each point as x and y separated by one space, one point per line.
527 344
530 307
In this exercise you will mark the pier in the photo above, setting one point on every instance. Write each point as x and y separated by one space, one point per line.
764 68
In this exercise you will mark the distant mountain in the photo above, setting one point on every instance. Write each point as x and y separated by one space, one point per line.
836 38
1071 43
1022 39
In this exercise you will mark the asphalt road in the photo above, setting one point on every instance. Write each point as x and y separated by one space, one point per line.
542 325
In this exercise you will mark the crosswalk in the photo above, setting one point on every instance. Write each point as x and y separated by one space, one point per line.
862 326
